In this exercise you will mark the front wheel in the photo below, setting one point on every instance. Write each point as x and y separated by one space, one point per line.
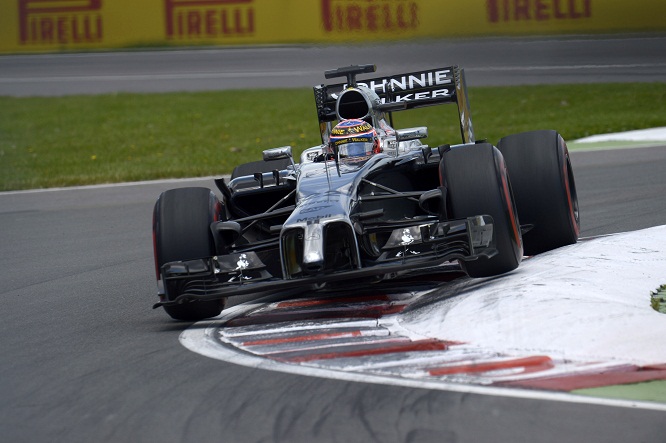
477 183
181 231
544 188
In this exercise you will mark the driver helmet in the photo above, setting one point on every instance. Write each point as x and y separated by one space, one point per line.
355 139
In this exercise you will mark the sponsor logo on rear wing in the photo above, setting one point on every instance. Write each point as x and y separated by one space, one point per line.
412 90
433 84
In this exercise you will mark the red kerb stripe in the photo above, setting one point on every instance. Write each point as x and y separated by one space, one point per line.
531 364
301 338
411 346
328 301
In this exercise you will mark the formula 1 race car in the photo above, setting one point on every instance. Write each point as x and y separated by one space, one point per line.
371 203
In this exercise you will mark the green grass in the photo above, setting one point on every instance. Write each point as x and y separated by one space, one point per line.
654 391
77 140
658 299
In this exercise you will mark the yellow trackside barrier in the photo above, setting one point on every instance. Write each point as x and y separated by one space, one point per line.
56 25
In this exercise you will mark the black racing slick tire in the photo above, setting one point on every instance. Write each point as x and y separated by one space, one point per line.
477 183
181 231
544 189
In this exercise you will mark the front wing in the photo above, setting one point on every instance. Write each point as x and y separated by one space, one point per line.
410 248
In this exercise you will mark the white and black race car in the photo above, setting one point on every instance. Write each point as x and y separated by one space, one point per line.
326 222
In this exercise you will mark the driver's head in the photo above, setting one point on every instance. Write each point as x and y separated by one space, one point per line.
355 139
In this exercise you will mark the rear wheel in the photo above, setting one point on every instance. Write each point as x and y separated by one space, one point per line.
478 184
544 189
181 231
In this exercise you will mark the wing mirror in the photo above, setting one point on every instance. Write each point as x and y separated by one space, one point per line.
278 154
403 135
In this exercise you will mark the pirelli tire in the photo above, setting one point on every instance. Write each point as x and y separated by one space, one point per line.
181 231
477 183
544 189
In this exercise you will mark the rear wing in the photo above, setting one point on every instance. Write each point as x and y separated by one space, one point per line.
400 92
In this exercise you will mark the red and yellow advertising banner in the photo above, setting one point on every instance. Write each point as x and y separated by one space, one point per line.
209 19
70 25
60 23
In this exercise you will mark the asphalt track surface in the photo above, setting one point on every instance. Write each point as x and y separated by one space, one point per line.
501 61
84 358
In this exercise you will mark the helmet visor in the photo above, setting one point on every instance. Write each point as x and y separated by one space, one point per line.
356 149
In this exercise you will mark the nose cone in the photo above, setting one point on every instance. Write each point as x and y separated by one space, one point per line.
313 248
